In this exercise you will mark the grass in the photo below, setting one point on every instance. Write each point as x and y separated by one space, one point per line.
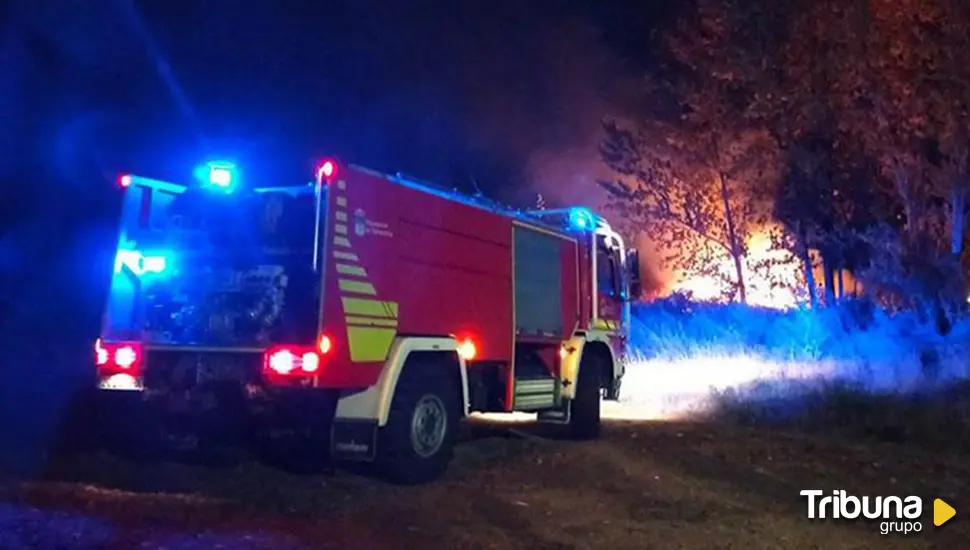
791 400
643 485
936 419
852 371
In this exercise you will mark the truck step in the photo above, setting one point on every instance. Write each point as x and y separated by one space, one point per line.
533 394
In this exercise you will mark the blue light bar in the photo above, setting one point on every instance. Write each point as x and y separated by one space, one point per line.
218 175
582 218
139 263
221 174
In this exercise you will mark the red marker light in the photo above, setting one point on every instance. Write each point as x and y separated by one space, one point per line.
115 357
100 354
327 170
310 362
324 344
467 349
282 361
124 180
291 362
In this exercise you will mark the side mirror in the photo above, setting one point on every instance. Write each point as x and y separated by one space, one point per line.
633 275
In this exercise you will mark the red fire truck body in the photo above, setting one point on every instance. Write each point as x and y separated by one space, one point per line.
429 305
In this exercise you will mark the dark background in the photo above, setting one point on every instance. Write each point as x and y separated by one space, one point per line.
508 93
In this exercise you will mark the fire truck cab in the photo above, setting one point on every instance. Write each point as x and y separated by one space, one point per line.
367 313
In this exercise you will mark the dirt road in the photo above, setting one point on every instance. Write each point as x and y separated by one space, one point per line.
644 485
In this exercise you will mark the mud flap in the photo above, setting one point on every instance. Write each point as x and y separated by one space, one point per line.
353 440
558 416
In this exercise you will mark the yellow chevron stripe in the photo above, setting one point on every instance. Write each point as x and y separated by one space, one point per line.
345 269
341 241
341 184
369 344
371 321
357 287
370 308
347 256
340 228
341 216
603 324
342 201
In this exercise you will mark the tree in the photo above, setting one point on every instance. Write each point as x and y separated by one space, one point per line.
695 167
916 117
687 180
862 107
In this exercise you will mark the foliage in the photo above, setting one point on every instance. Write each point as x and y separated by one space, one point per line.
689 163
850 118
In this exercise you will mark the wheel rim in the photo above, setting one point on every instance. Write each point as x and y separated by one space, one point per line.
428 426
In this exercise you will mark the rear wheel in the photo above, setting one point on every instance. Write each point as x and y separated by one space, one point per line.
584 418
417 444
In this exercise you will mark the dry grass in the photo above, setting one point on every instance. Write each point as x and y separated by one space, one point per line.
644 485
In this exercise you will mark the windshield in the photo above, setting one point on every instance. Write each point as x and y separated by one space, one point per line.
196 267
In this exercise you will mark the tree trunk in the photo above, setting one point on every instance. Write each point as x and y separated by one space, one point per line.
737 250
809 274
841 283
829 269
958 200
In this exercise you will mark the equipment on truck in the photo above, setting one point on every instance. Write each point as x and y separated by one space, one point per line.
366 312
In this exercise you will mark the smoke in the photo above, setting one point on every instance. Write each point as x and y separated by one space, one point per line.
657 277
584 82
581 81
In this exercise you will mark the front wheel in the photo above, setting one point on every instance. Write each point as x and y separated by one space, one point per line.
612 391
417 444
584 418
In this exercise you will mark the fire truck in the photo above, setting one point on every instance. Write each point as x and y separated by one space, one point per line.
367 313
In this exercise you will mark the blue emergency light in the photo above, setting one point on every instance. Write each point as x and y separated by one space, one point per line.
218 175
139 263
582 219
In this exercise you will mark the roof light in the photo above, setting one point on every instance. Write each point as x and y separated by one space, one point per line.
218 174
124 180
221 174
326 170
153 264
581 218
139 263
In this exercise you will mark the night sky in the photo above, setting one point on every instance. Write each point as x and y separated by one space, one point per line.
508 92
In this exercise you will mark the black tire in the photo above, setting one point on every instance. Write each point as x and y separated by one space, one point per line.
612 392
420 389
584 418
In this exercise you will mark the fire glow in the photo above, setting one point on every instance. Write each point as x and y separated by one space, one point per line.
774 287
